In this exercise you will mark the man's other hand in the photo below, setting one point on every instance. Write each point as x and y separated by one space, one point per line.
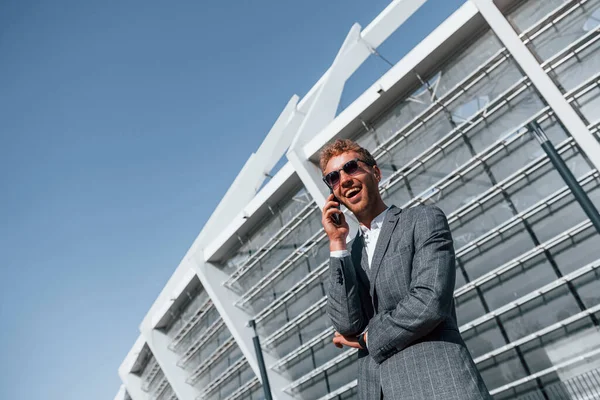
340 341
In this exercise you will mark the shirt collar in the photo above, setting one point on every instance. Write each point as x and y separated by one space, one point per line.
375 224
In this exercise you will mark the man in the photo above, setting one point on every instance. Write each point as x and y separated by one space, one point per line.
390 294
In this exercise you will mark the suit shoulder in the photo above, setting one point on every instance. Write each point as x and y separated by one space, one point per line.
424 210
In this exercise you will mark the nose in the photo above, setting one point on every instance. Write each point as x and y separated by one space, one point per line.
345 179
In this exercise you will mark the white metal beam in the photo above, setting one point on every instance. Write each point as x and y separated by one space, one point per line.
167 359
324 106
389 20
131 381
235 319
542 82
322 111
355 50
277 141
133 384
386 23
166 306
121 393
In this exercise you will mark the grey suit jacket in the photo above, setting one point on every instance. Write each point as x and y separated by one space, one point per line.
405 299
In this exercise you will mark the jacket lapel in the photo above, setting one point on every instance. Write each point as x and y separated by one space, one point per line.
364 260
391 220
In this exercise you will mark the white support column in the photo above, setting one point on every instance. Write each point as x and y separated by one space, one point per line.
131 381
322 111
121 393
309 174
167 359
235 319
133 385
277 141
542 82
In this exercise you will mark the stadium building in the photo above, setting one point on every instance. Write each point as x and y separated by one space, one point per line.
449 125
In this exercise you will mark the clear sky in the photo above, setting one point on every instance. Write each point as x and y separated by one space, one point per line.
122 124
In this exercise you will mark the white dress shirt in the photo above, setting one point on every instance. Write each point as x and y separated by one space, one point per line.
370 237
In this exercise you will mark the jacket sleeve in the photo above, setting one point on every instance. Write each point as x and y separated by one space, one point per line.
430 296
346 297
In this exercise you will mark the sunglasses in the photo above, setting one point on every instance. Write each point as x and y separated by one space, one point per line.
332 179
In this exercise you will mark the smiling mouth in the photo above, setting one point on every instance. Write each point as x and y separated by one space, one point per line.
352 192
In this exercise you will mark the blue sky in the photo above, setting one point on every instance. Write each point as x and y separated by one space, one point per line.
122 124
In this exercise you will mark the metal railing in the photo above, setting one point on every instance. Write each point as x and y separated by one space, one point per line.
316 239
279 236
545 204
246 388
573 361
198 315
224 377
313 277
150 372
325 335
290 326
544 290
581 387
538 334
295 386
568 235
201 341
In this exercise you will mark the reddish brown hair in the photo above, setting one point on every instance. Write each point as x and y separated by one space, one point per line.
341 146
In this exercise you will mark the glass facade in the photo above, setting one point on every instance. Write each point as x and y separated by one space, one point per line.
527 284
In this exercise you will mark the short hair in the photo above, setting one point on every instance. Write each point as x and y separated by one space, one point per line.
341 146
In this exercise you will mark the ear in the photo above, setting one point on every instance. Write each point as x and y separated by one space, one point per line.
377 173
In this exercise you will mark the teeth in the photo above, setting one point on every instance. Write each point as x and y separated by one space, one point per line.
352 192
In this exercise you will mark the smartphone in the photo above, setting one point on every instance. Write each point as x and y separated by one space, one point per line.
336 217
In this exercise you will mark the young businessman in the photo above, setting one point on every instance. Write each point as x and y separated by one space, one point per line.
390 293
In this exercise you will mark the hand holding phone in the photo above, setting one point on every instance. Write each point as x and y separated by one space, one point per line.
335 224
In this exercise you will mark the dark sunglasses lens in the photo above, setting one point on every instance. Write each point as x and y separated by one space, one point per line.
333 178
351 167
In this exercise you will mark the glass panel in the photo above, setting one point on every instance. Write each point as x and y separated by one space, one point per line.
518 282
565 31
281 213
292 241
502 370
588 288
331 379
589 105
484 338
539 313
287 275
301 333
532 11
293 307
580 68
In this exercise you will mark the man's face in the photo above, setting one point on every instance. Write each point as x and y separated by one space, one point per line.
358 191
